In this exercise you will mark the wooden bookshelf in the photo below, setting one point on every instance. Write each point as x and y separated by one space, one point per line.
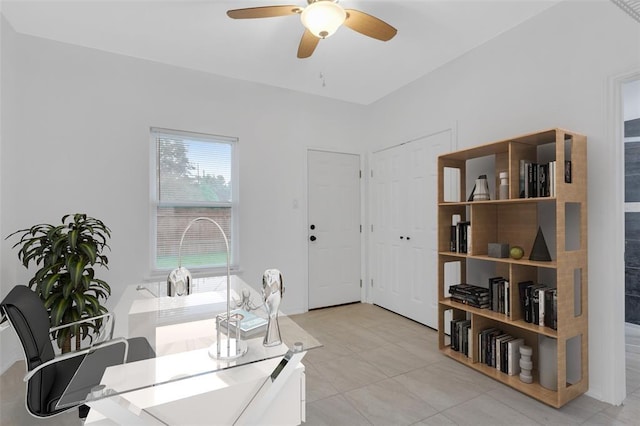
515 221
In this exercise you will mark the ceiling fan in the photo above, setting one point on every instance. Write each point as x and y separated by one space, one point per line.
321 18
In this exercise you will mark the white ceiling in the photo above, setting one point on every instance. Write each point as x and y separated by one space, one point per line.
199 35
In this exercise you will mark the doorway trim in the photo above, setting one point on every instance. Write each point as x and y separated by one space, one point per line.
615 386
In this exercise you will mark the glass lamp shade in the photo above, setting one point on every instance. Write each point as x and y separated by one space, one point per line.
323 18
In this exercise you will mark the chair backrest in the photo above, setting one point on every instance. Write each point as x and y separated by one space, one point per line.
29 318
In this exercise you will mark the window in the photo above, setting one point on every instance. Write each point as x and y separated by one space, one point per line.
195 176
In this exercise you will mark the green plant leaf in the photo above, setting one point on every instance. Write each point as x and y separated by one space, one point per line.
51 300
89 250
75 266
58 310
103 284
78 298
47 285
68 289
73 239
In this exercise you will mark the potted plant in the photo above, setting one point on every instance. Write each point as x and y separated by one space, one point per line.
66 255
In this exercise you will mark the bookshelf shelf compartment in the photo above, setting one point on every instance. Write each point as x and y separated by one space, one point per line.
515 221
487 313
525 262
533 200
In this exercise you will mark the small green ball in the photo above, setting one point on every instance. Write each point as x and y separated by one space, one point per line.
516 252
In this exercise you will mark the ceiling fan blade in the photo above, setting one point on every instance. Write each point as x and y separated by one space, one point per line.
263 12
307 44
369 25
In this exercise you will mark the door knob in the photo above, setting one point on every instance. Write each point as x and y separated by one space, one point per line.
408 238
312 227
401 237
312 238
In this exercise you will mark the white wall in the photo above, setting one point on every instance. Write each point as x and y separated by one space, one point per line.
79 142
9 348
551 71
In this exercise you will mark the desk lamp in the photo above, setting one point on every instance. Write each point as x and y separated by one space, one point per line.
179 283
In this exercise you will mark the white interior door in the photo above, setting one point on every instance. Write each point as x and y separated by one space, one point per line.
388 198
405 227
334 228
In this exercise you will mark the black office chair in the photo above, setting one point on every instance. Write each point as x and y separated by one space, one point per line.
47 375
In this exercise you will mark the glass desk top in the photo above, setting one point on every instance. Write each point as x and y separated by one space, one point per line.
180 330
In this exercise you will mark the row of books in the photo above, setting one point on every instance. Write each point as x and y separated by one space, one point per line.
461 339
500 350
471 295
460 241
539 180
499 291
539 304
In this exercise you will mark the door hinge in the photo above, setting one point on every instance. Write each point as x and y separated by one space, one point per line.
361 229
371 282
360 174
360 283
372 227
371 172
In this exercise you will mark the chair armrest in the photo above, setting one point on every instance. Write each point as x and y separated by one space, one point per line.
82 352
108 315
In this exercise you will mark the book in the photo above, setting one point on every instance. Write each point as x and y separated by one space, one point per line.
250 324
464 334
494 292
531 314
535 305
490 345
523 165
471 295
454 243
504 354
463 233
513 351
567 171
494 348
541 305
499 350
550 308
543 176
507 307
533 180
454 334
522 291
552 179
482 344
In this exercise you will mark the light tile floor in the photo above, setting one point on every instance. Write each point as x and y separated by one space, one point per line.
379 368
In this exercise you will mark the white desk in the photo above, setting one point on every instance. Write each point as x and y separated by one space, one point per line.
184 385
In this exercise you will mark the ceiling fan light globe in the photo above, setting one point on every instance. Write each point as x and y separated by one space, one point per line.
323 18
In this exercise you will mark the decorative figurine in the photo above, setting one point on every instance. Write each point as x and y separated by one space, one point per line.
179 282
272 290
526 365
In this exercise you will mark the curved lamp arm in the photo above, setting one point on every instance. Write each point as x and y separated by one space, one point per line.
226 242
